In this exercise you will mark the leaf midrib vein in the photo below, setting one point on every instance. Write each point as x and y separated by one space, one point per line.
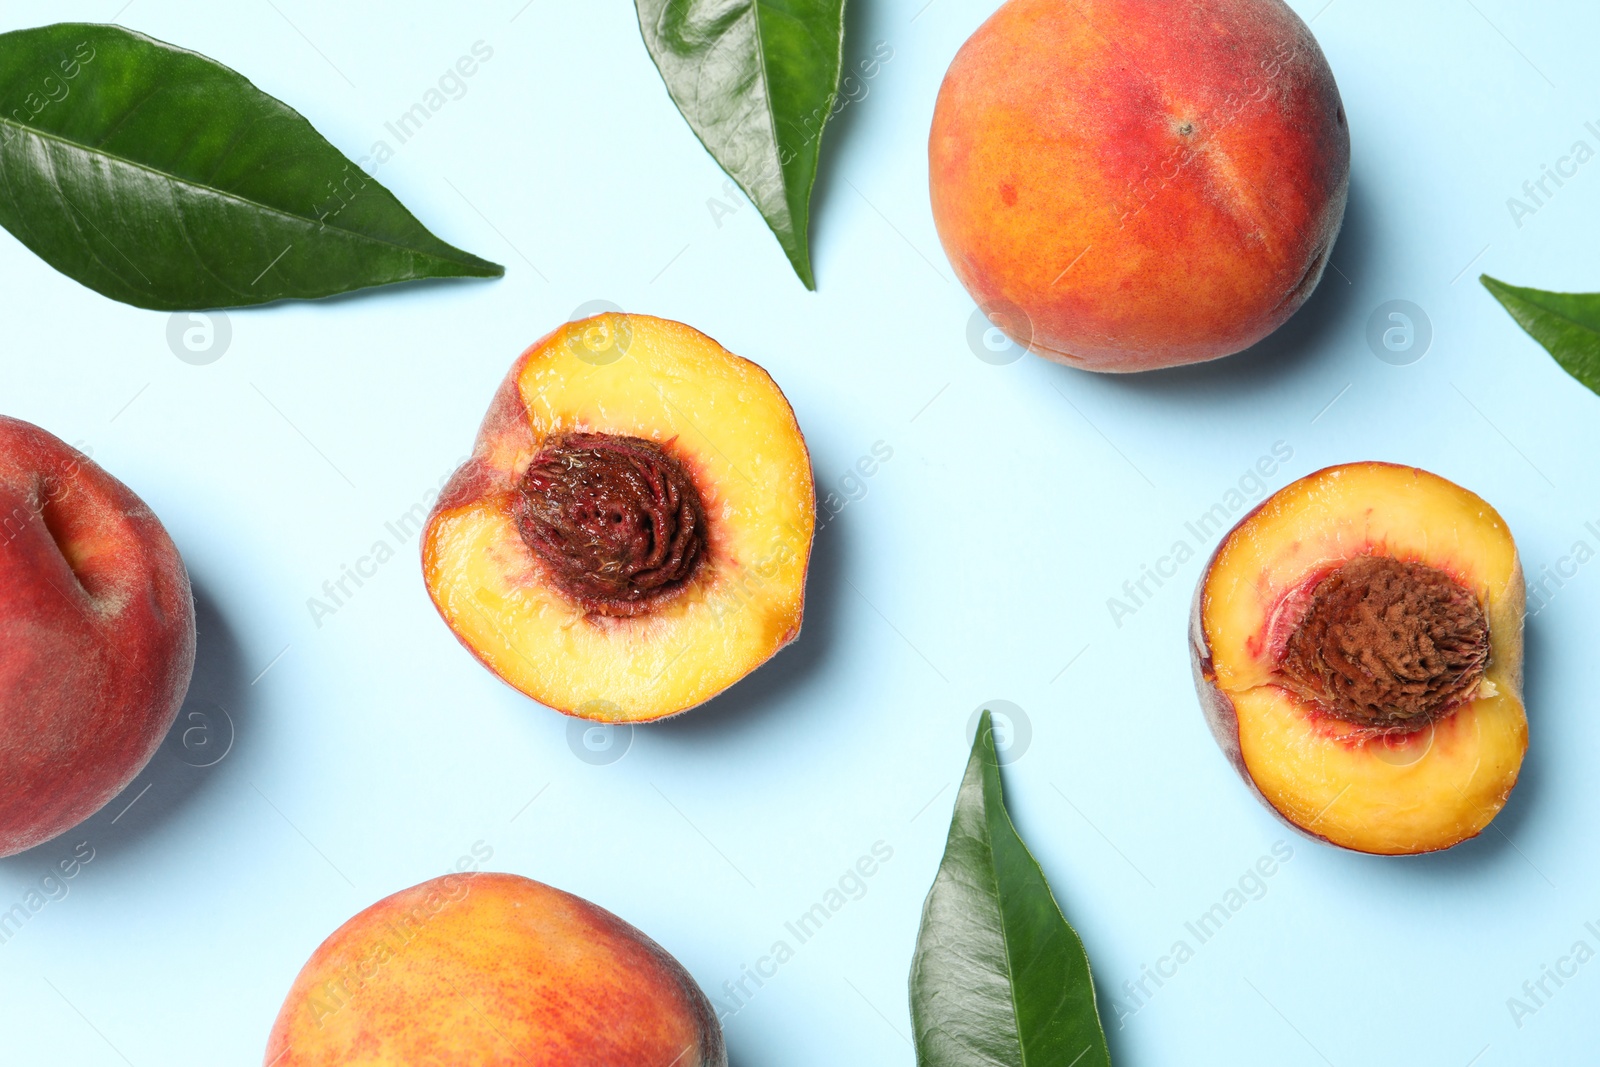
77 228
223 193
1005 933
1543 309
183 228
766 104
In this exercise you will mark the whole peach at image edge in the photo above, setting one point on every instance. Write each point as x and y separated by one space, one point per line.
493 970
97 636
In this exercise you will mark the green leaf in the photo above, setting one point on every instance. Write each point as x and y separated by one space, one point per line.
999 978
163 179
1568 324
757 80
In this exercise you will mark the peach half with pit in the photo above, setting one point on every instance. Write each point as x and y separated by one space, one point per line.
1357 646
632 532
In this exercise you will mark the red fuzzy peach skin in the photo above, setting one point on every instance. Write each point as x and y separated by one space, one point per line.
97 636
1127 185
493 970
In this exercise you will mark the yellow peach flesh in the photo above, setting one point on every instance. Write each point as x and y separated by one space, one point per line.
1427 792
1422 793
727 423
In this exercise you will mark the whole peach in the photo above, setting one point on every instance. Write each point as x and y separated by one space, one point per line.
96 636
1124 185
493 970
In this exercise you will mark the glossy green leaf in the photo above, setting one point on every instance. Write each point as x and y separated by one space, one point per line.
999 979
1568 324
163 179
757 80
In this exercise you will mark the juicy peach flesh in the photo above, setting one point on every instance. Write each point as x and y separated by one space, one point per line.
1416 792
492 970
721 419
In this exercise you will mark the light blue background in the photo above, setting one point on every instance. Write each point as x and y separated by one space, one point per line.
374 752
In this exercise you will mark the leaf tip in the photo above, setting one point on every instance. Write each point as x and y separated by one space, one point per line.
983 739
802 268
472 266
1504 294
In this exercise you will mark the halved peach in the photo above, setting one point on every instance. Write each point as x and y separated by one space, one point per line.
632 532
1357 646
